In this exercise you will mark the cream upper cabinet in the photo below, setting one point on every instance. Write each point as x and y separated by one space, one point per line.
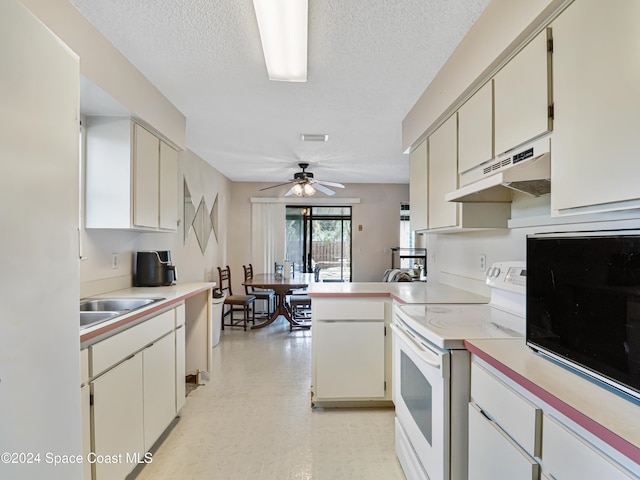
595 164
443 174
146 177
475 129
522 95
168 187
418 168
131 177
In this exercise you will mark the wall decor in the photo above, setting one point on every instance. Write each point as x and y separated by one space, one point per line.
201 220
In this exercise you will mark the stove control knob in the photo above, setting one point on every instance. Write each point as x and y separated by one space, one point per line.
496 272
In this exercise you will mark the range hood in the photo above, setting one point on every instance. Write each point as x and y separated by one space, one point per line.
526 170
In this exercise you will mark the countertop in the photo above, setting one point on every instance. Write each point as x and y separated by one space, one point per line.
173 295
610 417
403 292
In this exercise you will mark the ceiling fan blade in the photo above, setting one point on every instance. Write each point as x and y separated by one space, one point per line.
323 189
331 184
274 186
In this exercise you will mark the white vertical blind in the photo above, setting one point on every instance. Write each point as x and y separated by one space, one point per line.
267 235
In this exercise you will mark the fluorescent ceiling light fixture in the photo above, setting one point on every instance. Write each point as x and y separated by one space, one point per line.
283 31
314 137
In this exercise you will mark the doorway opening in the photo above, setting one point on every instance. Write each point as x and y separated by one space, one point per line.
320 236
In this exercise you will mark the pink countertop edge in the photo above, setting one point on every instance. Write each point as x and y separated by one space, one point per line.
623 446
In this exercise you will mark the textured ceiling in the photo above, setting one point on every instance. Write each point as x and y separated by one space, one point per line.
369 61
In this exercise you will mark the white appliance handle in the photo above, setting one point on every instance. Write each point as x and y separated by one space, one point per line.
425 353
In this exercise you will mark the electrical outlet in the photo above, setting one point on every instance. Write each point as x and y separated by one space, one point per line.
483 262
114 260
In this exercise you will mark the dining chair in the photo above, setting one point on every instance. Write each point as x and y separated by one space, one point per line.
301 302
265 294
246 302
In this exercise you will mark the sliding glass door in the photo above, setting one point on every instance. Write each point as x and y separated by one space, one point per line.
320 236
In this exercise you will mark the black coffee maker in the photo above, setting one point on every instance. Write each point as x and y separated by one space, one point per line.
154 269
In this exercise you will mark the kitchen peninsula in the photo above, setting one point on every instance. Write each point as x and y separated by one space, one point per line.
351 351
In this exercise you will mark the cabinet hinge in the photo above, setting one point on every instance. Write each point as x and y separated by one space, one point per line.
551 111
91 400
385 330
550 45
385 386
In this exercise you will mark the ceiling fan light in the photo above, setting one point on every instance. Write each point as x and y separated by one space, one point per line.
308 189
297 189
283 32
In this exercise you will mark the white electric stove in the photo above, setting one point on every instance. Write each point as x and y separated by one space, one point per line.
431 371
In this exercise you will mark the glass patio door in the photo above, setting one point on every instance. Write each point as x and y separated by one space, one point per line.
320 236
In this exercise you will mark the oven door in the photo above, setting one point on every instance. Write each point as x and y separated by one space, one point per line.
421 393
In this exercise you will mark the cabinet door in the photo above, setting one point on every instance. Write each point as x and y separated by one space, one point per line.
159 388
180 368
168 187
349 359
418 187
560 444
145 177
493 455
85 402
597 90
475 129
443 174
118 417
521 96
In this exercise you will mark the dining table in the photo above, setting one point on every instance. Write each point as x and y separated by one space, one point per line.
281 286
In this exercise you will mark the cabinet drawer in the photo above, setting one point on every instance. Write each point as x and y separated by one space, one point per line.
493 455
516 415
114 349
84 366
335 309
560 444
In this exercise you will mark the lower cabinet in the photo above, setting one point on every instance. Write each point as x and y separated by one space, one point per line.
493 454
355 367
136 390
587 463
118 419
514 437
180 358
159 393
85 402
351 359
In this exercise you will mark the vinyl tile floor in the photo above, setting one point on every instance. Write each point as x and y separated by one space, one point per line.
253 420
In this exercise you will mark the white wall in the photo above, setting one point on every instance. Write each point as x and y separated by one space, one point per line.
378 212
39 341
106 67
459 253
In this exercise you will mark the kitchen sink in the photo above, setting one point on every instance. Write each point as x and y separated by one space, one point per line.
97 310
91 318
115 304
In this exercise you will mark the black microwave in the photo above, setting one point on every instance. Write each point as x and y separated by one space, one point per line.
583 304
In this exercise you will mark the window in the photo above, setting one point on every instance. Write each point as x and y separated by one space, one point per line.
407 237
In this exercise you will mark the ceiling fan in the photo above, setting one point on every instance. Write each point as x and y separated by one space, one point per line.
304 185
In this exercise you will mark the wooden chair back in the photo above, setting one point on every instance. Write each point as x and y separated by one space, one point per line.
248 275
225 279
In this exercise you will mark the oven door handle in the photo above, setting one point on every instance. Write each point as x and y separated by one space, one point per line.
425 354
